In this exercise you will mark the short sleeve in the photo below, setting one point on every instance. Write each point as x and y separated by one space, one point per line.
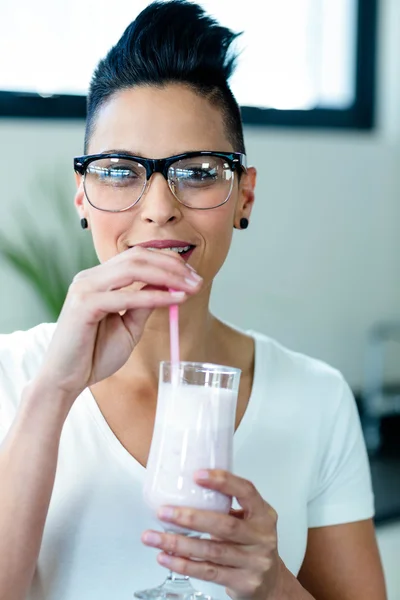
342 491
9 367
21 355
4 422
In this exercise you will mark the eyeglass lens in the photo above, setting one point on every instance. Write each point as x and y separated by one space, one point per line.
115 184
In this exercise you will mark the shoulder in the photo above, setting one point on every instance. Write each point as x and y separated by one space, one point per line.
304 384
283 362
306 410
21 355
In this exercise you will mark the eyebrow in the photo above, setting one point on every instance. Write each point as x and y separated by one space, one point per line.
122 151
140 155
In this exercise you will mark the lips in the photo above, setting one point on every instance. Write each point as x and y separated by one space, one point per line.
183 248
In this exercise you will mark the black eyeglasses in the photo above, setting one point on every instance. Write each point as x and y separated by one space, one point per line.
201 180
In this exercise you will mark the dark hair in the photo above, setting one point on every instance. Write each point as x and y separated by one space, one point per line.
174 41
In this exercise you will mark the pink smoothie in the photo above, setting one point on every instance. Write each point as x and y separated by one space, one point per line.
193 430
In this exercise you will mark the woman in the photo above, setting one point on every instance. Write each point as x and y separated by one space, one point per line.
78 398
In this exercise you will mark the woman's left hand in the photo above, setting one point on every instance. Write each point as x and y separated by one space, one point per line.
242 554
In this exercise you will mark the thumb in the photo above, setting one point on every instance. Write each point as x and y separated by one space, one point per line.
135 320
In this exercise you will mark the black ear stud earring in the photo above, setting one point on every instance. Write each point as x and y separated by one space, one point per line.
244 223
84 223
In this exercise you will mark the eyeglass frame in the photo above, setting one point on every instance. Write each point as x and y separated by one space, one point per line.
237 162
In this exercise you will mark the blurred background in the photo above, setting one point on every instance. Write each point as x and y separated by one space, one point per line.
319 268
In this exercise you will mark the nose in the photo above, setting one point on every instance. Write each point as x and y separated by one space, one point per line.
158 204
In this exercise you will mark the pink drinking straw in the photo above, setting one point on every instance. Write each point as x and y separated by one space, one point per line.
174 339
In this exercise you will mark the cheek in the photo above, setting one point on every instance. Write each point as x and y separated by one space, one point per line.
106 230
219 227
216 227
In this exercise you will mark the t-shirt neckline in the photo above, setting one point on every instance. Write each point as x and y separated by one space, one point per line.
132 464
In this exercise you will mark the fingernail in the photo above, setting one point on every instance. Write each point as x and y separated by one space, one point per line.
191 282
196 276
190 267
203 475
178 295
166 512
151 538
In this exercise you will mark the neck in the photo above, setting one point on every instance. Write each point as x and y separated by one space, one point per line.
196 334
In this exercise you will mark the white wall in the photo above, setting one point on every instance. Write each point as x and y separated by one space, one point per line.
320 262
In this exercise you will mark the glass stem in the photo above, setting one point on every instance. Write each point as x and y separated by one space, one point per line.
175 577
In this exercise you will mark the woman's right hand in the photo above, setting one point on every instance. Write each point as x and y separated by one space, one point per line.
102 319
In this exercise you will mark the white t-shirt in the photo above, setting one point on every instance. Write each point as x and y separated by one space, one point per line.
299 442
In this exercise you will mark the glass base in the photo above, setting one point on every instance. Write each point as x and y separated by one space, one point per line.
173 589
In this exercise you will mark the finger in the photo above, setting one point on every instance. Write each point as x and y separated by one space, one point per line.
198 569
208 550
120 271
231 485
123 275
240 581
165 260
102 277
100 304
154 276
237 512
222 526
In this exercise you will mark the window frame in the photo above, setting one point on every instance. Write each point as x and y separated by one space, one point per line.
361 115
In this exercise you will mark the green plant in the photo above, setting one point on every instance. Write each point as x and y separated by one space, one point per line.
48 256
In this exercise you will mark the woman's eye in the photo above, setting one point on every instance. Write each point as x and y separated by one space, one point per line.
198 174
119 174
114 174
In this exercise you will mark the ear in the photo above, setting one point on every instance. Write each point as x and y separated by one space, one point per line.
79 199
246 198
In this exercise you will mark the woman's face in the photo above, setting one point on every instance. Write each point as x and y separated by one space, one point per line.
155 123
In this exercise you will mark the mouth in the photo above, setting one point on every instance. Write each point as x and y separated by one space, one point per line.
184 249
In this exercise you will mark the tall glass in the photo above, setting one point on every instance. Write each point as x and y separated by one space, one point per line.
193 430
